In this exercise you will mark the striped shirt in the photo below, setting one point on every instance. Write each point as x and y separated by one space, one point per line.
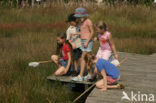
85 31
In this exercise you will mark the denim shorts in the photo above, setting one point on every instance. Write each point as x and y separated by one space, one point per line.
64 63
89 47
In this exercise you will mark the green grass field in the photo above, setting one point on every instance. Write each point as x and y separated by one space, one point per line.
29 34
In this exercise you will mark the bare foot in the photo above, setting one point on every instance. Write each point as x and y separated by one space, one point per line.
120 86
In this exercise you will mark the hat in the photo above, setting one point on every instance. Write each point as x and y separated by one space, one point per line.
71 17
80 12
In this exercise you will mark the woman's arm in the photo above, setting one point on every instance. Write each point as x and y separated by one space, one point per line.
113 47
91 33
90 36
76 34
69 62
103 73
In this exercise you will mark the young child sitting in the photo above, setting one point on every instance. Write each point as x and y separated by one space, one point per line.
74 40
109 72
63 55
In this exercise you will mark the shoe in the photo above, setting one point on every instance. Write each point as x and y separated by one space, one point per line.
77 78
87 77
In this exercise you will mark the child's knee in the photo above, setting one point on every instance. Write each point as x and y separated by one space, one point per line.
60 71
99 84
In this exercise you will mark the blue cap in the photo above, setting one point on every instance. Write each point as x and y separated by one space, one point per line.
80 12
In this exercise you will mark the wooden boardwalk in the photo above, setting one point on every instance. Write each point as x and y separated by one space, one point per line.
138 74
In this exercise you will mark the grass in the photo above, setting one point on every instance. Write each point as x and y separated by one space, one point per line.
29 34
23 84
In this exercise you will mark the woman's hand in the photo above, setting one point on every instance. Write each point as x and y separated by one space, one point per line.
65 71
116 56
85 44
95 39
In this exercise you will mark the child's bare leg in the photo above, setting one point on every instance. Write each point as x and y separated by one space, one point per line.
114 86
100 84
83 63
60 71
75 64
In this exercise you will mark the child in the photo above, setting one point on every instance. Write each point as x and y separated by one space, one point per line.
109 72
63 57
74 40
106 43
86 33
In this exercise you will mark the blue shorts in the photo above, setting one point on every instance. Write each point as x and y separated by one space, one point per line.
63 63
89 47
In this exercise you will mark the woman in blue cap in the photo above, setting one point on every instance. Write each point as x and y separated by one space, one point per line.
86 34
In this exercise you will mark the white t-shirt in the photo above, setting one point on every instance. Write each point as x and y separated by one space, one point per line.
154 1
76 38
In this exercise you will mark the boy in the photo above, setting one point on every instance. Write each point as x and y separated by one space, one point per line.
74 40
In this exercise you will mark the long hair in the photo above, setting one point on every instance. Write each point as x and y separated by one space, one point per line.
59 46
89 58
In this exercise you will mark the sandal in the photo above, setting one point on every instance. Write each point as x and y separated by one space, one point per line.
77 78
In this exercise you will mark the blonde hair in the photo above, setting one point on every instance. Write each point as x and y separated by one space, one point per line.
101 25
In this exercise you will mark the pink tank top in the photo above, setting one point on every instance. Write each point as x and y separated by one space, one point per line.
104 41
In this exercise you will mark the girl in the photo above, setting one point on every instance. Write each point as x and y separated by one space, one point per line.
106 43
86 33
63 57
109 72
74 40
